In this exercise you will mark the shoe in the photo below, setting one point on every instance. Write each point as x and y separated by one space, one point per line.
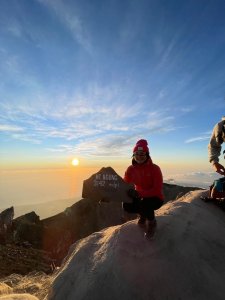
141 222
151 228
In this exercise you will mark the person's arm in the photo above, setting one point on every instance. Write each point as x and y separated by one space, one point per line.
128 175
214 146
214 149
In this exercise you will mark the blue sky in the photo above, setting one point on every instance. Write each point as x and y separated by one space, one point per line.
89 78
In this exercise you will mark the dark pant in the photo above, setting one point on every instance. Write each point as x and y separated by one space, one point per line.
145 207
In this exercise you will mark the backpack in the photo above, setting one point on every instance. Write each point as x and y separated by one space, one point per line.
217 189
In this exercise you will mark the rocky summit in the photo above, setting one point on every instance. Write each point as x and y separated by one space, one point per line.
185 260
115 261
42 244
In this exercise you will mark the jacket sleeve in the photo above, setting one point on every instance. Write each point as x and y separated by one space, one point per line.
128 176
214 146
156 189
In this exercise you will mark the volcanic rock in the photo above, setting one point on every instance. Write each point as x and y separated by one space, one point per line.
6 218
106 186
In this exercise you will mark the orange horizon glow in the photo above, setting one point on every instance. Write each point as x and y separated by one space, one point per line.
167 165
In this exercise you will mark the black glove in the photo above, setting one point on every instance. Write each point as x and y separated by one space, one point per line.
133 194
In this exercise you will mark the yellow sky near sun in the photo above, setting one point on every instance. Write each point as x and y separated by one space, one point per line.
167 165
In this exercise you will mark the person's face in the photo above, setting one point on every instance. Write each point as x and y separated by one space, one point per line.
140 156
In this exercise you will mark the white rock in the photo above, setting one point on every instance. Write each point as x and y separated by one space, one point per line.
184 261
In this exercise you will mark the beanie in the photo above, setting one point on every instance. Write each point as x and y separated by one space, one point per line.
141 145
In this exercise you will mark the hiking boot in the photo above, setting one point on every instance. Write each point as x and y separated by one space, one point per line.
141 222
151 228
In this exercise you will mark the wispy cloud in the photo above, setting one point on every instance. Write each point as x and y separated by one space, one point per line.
14 28
31 138
62 149
187 109
18 27
10 128
197 139
110 145
73 120
69 18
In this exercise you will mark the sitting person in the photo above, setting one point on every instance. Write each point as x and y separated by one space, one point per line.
148 182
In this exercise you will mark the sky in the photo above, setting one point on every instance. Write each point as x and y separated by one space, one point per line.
87 79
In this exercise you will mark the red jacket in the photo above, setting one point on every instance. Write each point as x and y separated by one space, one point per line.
147 179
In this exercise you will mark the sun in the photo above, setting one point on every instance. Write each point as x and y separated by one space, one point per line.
75 162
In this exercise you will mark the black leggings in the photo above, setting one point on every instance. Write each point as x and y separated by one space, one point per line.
145 207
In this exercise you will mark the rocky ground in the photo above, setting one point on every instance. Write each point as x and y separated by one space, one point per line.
22 240
22 260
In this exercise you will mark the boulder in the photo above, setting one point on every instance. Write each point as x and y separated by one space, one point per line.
106 186
31 218
27 228
6 219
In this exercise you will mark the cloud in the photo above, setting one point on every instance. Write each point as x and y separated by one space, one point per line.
14 27
166 51
200 179
187 109
70 19
26 138
100 121
62 149
197 139
78 121
16 74
110 145
10 128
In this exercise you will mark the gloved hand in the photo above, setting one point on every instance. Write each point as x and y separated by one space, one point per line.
133 194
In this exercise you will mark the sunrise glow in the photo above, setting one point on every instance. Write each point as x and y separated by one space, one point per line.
75 162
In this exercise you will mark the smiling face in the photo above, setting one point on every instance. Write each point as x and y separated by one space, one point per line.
140 156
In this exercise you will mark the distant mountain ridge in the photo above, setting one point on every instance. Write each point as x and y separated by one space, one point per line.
45 209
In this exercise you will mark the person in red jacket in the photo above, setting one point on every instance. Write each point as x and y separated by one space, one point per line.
148 183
